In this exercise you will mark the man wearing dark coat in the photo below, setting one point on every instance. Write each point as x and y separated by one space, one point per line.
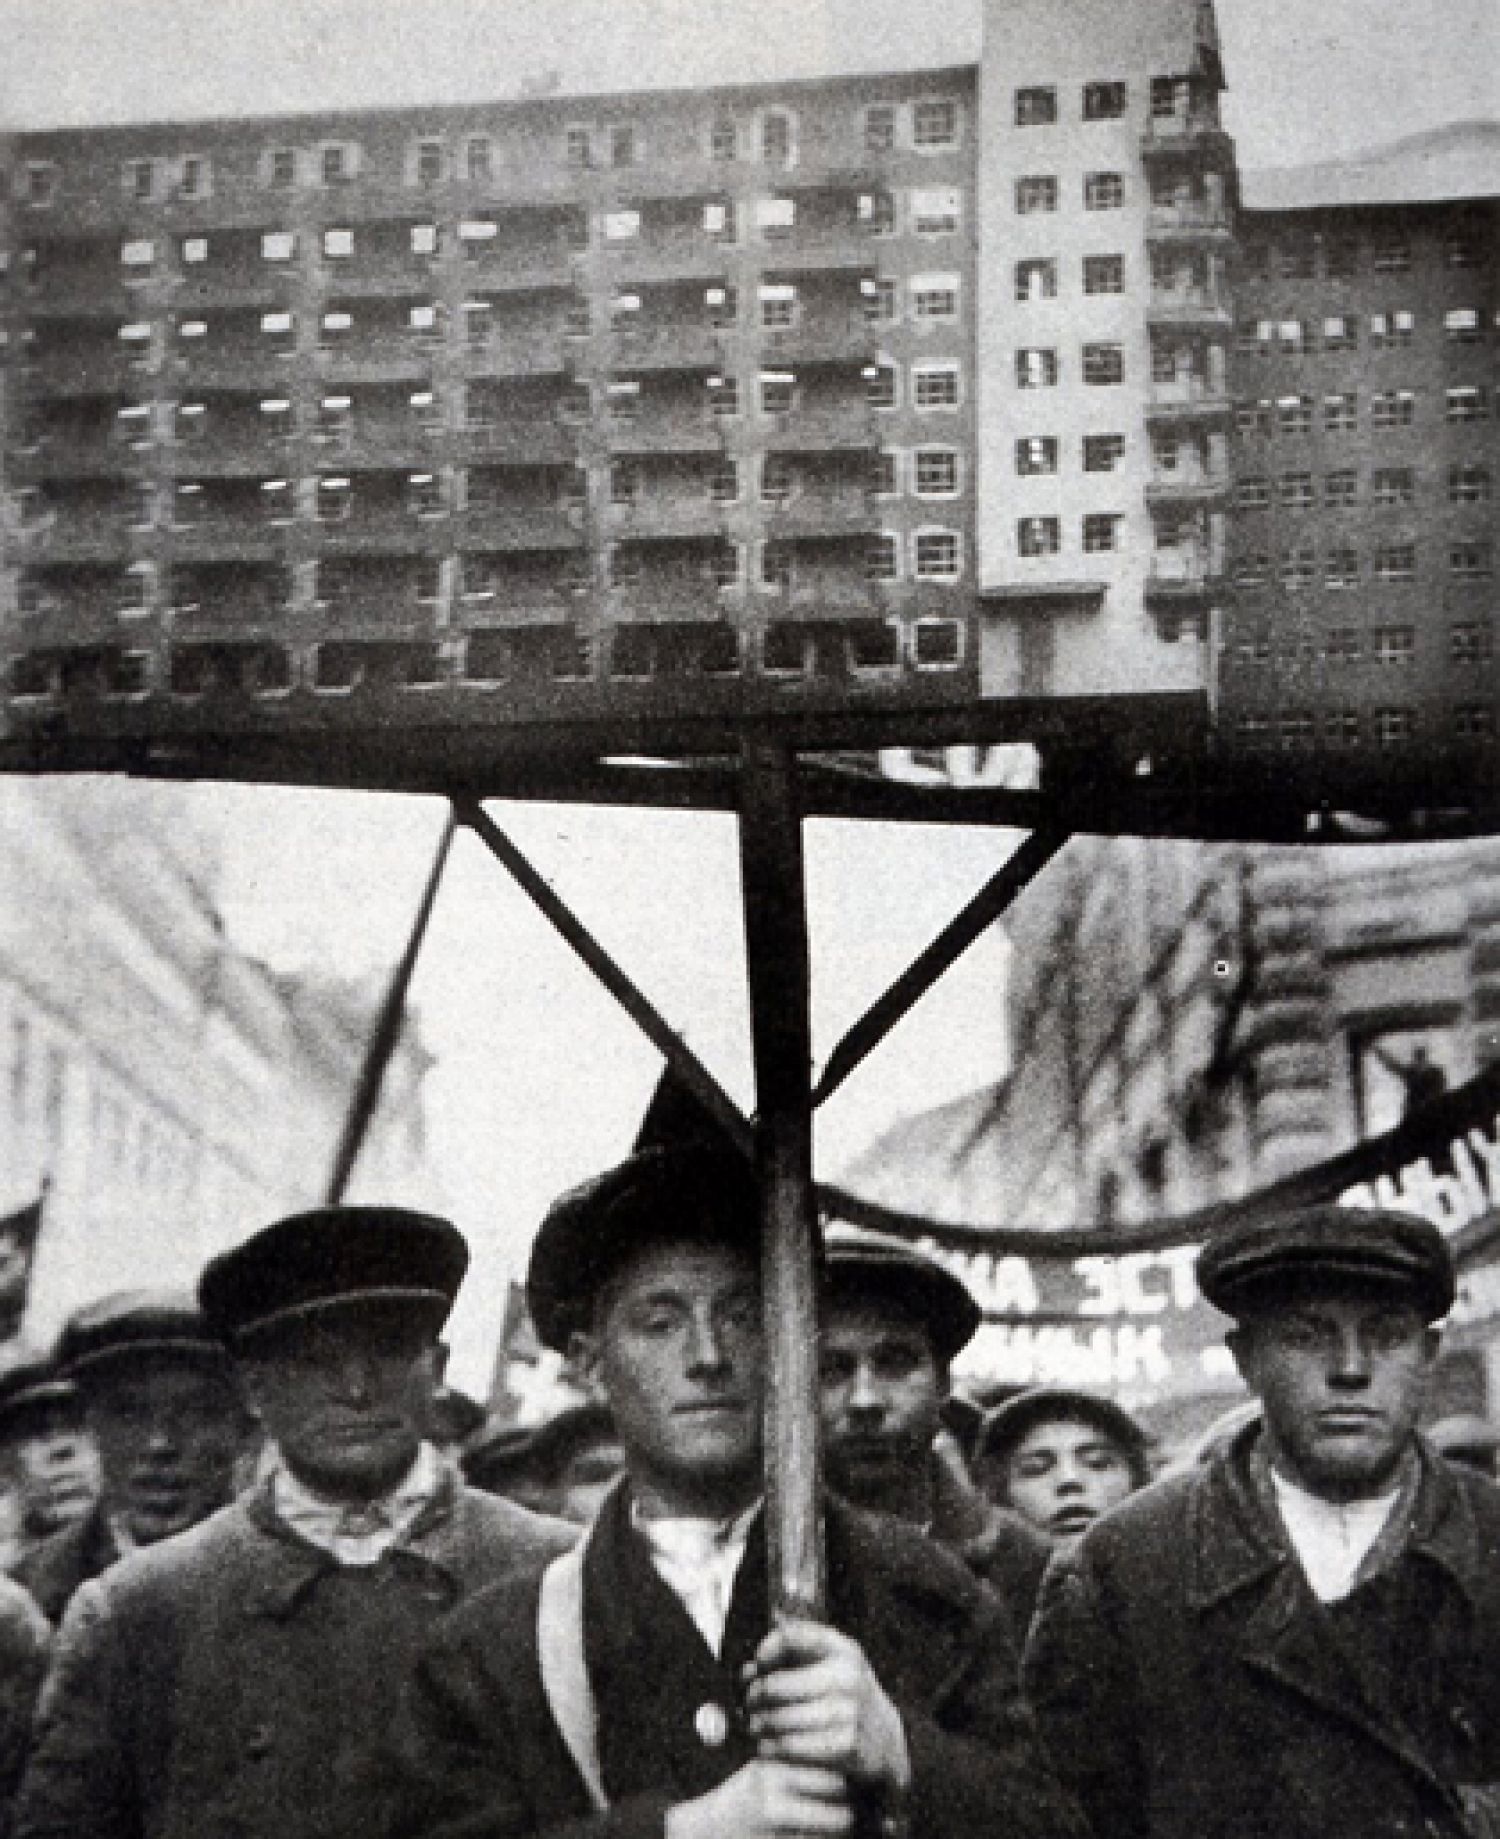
241 1678
892 1322
637 1690
1300 1639
170 1422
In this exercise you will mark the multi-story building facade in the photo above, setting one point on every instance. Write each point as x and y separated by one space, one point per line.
1367 299
137 1044
679 403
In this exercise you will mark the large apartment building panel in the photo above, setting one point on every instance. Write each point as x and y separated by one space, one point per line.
618 394
1364 604
1106 188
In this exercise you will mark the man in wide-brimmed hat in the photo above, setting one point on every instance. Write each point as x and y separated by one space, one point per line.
1301 1636
668 1701
242 1678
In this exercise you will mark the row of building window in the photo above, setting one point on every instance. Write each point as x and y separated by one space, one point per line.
1341 331
1342 256
1040 367
933 555
1385 728
1469 642
1345 566
1043 536
1339 411
1343 487
1036 276
1037 192
931 124
499 654
1036 106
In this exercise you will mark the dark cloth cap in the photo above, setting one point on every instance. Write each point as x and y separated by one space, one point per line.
1253 1265
136 1325
871 1264
539 1452
1007 1424
31 1383
697 1193
330 1258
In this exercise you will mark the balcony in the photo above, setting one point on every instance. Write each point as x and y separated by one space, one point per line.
1187 400
243 287
664 516
1188 485
848 429
667 430
80 456
835 250
1185 580
383 604
260 366
373 532
665 348
248 536
379 360
1189 309
810 514
537 352
496 269
91 372
514 441
399 277
104 537
1195 134
678 595
1200 221
518 527
250 456
647 264
846 341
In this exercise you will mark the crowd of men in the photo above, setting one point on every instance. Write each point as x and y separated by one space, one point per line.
259 1595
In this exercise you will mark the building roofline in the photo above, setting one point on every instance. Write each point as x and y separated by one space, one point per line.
561 99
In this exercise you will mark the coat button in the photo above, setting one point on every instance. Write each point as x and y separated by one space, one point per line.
711 1722
258 1742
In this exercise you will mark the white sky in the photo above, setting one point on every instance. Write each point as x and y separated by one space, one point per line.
541 1081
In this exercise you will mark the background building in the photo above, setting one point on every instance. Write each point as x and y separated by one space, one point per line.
168 1093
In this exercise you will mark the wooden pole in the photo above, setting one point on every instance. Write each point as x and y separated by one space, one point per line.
774 894
387 1029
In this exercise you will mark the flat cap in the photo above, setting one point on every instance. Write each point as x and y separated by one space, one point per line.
1007 1424
871 1264
1252 1265
698 1193
330 1258
135 1325
32 1383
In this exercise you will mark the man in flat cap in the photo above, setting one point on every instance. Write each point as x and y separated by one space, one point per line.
639 1688
48 1458
891 1322
242 1679
169 1420
1301 1637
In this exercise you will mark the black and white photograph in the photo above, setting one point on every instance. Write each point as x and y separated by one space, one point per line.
749 919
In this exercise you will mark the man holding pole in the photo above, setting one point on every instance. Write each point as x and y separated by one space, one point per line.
644 1688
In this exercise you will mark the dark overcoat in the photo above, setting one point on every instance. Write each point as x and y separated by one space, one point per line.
1189 1685
235 1682
483 1758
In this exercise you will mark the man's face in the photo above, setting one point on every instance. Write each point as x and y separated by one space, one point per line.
169 1429
882 1393
55 1463
346 1395
1340 1373
1063 1474
678 1351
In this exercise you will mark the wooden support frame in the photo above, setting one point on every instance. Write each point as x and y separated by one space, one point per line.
774 894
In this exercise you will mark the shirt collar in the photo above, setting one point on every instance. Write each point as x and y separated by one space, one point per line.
356 1533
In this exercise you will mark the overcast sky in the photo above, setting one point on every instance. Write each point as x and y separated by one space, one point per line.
541 1080
1307 81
